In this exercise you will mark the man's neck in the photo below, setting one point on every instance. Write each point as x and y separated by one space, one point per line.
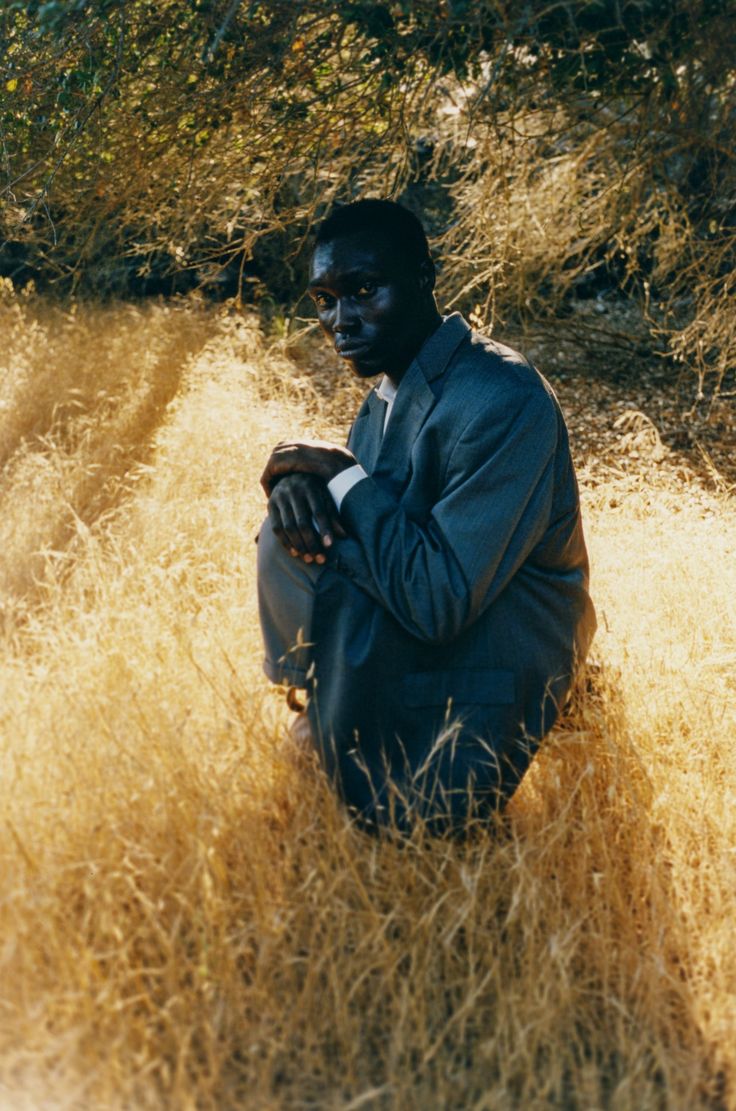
433 322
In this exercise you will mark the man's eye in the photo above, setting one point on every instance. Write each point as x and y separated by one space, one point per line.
367 289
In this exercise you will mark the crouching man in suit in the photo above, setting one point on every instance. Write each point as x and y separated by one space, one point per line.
427 585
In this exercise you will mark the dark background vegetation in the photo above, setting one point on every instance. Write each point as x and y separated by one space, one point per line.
573 159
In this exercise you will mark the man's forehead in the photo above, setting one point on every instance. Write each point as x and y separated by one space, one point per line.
359 251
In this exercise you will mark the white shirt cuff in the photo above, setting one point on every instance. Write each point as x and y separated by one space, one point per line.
344 481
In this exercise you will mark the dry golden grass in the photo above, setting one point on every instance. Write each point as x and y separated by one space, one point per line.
188 921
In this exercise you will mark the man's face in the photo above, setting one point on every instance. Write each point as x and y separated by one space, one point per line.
370 304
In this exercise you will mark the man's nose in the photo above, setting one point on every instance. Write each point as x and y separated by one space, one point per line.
346 318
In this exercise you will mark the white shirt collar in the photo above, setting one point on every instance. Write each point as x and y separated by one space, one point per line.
386 390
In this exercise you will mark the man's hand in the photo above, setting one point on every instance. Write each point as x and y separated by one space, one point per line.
303 516
313 457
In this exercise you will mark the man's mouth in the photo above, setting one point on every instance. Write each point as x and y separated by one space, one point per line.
351 350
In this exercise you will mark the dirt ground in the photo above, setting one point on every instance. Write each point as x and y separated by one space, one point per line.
629 410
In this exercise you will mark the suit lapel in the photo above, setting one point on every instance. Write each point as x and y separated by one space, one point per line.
413 404
365 436
388 457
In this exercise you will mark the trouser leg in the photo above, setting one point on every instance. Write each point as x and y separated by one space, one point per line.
286 588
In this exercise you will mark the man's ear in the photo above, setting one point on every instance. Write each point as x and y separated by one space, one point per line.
427 275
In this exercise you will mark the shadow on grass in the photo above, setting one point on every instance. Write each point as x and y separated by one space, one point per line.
542 961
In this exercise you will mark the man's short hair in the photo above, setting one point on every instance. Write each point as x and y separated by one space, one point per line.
378 217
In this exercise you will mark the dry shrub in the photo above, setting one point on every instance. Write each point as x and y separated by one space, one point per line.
585 193
563 147
189 920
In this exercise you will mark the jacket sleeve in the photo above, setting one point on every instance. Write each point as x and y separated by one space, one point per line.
436 577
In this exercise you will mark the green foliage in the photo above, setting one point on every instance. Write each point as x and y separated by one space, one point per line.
141 139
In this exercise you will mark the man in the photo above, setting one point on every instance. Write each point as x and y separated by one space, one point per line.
427 585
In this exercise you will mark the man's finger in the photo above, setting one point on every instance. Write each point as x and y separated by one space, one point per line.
310 539
327 517
324 514
277 525
296 511
281 514
317 457
282 461
293 537
285 528
321 515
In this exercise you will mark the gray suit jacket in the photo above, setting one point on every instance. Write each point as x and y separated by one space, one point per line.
448 624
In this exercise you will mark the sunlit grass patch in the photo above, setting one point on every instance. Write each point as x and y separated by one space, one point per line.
188 918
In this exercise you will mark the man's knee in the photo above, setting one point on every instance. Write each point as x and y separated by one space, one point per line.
276 566
271 553
285 599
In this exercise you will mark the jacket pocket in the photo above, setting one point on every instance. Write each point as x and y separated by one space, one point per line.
476 686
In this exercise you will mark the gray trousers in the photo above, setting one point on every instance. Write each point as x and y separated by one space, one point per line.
285 600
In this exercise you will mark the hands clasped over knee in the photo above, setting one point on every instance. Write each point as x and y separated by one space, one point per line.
301 510
303 516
